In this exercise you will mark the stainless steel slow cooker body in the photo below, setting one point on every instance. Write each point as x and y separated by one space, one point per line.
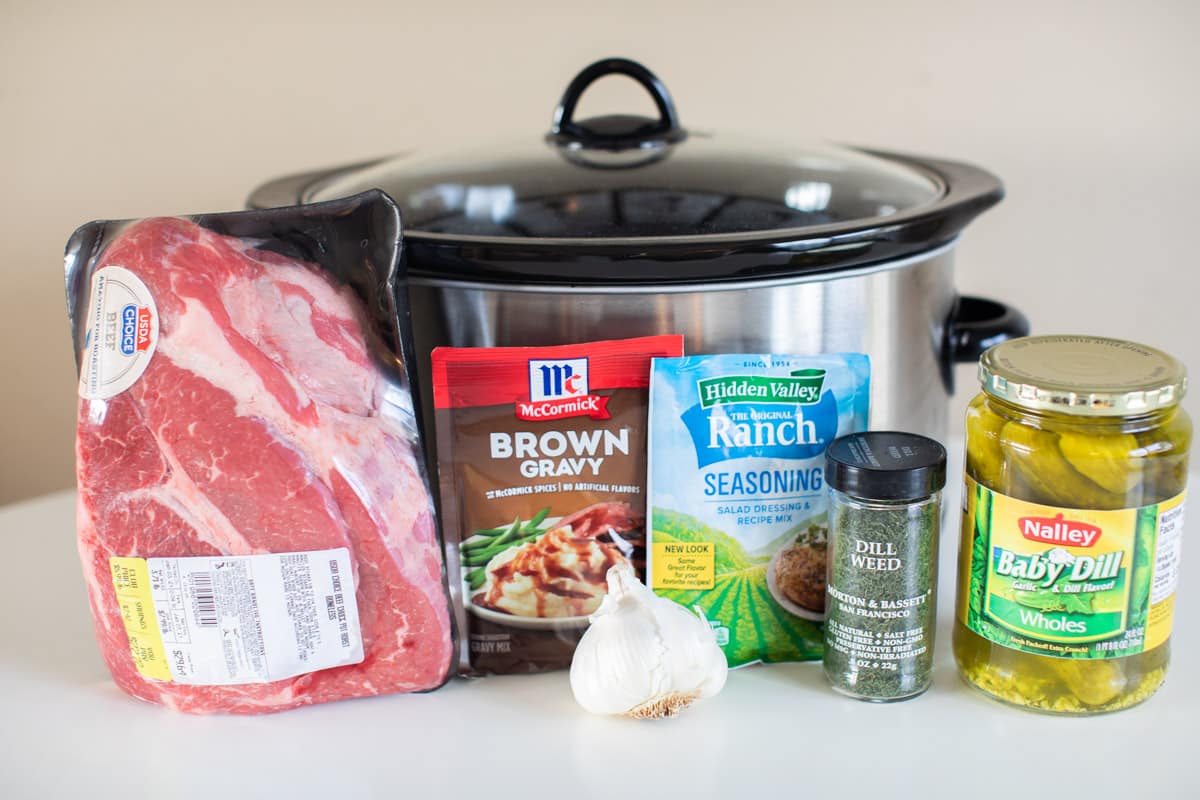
621 226
902 314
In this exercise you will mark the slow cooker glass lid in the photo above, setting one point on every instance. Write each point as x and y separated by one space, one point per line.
701 186
623 176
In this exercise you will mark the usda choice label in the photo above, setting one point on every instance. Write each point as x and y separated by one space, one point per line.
121 335
1072 583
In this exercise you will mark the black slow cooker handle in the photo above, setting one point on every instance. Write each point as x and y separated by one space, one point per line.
617 131
974 325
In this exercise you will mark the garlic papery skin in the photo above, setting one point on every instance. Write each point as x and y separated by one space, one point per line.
644 656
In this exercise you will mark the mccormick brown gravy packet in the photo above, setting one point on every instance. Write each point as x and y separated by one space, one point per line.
542 467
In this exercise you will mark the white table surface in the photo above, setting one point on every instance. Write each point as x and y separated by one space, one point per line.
774 731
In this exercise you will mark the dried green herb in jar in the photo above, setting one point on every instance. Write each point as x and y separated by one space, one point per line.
882 569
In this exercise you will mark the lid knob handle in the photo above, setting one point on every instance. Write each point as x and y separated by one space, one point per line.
617 131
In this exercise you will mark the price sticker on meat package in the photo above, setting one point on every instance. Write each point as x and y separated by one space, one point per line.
239 619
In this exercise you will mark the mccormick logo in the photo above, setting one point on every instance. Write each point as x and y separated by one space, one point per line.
554 380
559 389
1056 530
135 329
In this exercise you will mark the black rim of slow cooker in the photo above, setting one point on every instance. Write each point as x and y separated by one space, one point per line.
657 261
682 260
707 259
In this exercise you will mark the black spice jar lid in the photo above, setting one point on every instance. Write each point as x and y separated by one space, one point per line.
886 465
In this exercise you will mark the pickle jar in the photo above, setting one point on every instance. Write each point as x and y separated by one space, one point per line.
1076 465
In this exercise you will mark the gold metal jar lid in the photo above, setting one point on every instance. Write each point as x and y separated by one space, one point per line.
1083 375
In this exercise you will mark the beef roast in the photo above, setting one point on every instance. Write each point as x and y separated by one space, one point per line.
260 425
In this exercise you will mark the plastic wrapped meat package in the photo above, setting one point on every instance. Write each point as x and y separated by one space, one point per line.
254 520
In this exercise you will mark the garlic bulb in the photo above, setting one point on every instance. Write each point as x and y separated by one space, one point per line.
644 656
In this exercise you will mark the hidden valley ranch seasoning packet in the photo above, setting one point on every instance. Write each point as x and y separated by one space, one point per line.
737 494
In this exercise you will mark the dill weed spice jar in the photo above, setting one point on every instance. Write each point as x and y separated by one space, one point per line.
884 512
1076 465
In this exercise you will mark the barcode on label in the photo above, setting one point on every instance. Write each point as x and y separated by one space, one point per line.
204 601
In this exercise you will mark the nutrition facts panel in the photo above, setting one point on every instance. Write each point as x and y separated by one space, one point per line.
1167 555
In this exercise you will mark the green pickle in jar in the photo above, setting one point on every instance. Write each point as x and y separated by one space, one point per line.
1076 466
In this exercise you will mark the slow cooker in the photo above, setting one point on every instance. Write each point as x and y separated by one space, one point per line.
623 225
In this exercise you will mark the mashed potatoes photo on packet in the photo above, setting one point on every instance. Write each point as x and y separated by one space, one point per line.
561 570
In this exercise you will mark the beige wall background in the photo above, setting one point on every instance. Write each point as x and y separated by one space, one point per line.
1088 110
